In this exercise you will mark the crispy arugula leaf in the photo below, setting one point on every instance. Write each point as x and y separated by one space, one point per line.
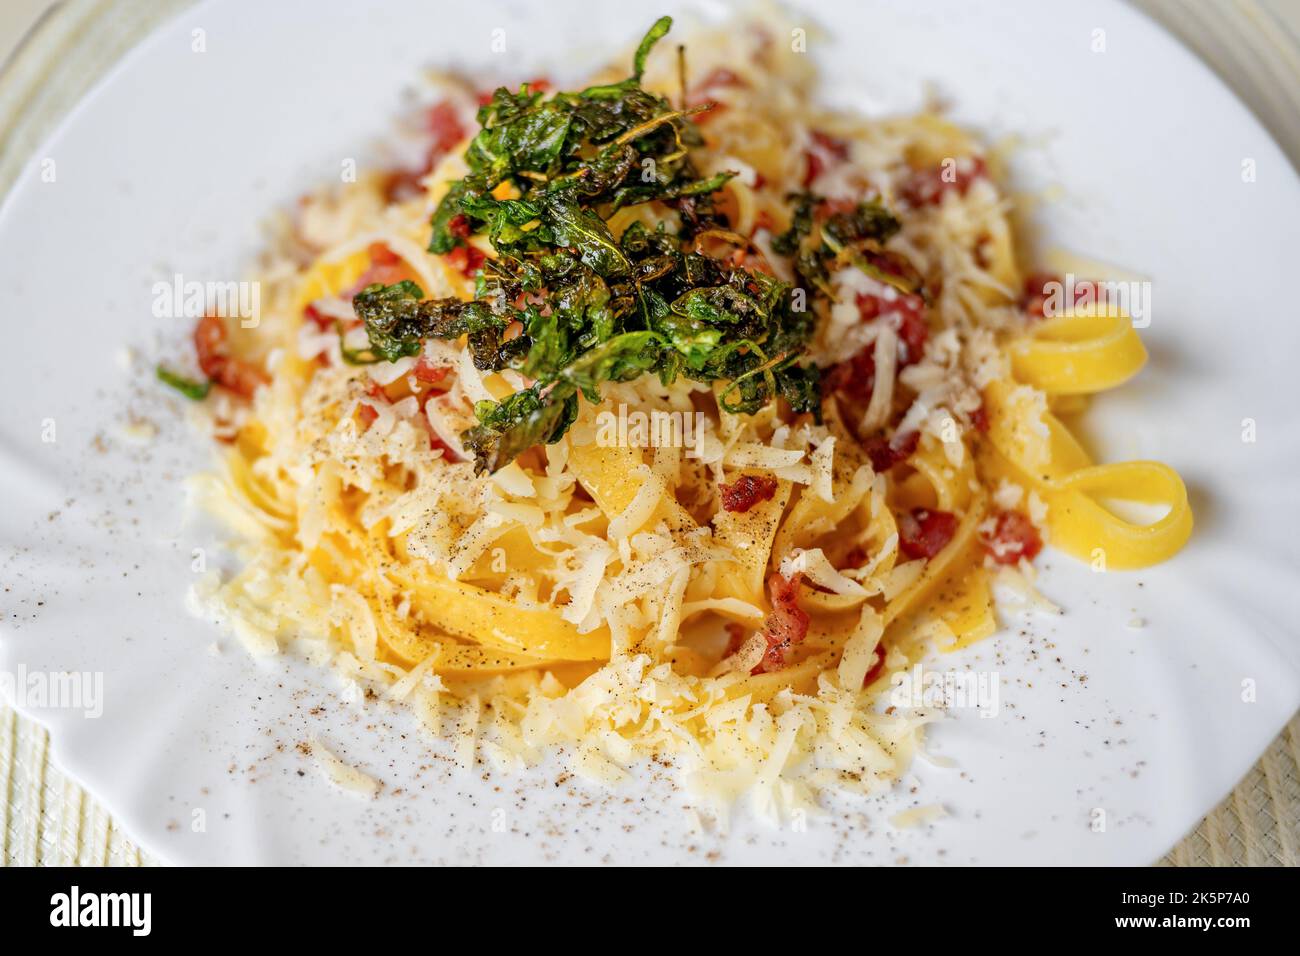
801 223
398 319
572 306
442 241
543 413
508 428
526 138
868 220
510 221
191 389
648 192
653 36
853 237
573 224
800 386
720 304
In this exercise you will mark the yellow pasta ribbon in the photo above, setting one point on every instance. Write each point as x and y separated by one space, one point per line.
1080 352
609 476
497 621
1057 467
749 535
968 610
949 565
1081 526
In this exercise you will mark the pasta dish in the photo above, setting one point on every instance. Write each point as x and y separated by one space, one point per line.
667 418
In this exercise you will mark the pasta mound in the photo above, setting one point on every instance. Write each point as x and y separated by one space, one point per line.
669 578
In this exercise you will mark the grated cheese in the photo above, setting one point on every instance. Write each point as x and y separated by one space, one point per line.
636 571
347 778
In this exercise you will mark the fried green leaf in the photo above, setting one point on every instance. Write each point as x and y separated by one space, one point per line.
191 389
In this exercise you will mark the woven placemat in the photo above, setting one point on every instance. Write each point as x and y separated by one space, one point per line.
49 820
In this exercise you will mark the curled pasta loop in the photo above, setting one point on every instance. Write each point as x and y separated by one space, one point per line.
1037 450
1084 527
1080 352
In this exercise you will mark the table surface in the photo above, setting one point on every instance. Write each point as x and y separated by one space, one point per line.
47 819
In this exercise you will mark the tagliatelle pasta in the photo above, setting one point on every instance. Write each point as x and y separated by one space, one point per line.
671 434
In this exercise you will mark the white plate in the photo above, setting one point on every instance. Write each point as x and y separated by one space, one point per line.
173 160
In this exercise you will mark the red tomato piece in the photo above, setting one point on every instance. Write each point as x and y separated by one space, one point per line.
466 260
211 349
428 373
885 453
746 491
923 533
1013 538
787 625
